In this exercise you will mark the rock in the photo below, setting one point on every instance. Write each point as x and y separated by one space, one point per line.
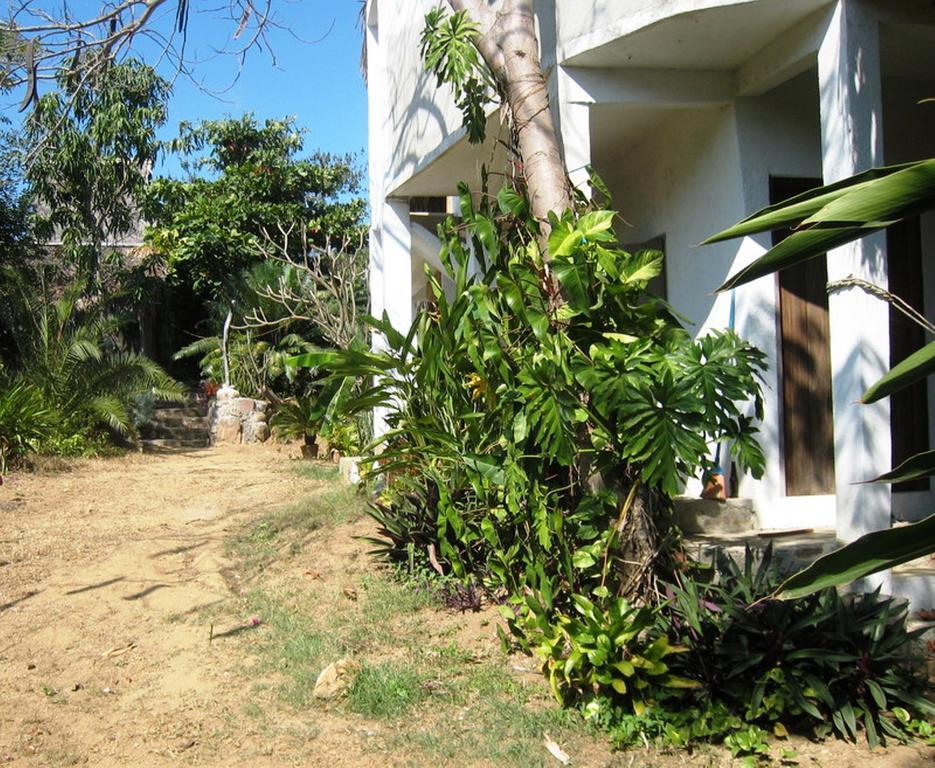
261 431
335 679
348 469
242 406
262 406
226 392
228 431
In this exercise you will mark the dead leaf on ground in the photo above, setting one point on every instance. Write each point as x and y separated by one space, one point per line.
555 750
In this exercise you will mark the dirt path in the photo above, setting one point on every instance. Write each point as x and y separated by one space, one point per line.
99 567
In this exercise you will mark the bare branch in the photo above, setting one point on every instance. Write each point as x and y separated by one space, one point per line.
319 285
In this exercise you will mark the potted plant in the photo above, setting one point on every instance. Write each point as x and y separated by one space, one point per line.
300 417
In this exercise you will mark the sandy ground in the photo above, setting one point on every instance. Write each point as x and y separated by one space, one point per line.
98 565
102 567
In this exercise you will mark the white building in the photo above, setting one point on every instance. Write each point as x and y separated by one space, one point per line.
697 113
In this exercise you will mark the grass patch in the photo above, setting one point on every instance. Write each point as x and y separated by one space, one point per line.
385 691
285 530
316 470
442 702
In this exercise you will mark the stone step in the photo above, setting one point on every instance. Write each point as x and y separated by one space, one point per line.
181 432
178 419
705 516
792 549
178 412
167 444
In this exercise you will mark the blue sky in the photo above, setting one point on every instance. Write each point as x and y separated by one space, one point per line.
316 76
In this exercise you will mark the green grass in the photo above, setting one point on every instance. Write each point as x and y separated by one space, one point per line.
286 530
386 691
441 702
316 470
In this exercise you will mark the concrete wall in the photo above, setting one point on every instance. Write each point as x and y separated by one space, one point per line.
417 117
694 172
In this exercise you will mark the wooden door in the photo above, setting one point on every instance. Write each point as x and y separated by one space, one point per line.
807 416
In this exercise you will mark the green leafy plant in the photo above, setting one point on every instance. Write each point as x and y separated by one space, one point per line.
822 662
257 361
25 421
72 353
306 416
502 401
605 646
247 179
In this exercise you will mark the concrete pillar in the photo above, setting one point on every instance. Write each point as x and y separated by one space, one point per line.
852 141
574 116
397 263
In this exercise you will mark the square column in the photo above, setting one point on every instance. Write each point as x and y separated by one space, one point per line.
574 125
396 250
852 141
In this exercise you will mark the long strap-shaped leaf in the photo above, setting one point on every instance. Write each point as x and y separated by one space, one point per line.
913 468
867 555
831 216
905 373
791 212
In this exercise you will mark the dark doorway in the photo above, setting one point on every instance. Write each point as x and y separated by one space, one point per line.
807 415
909 413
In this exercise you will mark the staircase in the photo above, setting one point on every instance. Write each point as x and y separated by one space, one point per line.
175 427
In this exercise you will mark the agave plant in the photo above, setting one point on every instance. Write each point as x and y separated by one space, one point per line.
71 352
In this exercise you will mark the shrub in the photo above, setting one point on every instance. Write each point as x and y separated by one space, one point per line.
25 421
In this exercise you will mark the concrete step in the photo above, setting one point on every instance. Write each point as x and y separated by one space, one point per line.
705 516
167 444
916 582
792 549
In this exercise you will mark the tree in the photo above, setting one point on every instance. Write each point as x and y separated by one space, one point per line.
92 148
38 43
210 228
504 33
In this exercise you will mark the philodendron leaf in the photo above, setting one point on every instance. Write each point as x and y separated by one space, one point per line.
867 555
913 468
914 368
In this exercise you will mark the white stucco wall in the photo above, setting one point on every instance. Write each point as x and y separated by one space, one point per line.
695 172
418 117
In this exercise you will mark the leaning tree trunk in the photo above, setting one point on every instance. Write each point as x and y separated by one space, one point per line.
507 41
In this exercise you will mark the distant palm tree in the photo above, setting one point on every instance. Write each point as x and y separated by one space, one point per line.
70 350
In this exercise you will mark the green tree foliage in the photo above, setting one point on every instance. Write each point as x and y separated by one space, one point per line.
71 352
91 146
256 190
